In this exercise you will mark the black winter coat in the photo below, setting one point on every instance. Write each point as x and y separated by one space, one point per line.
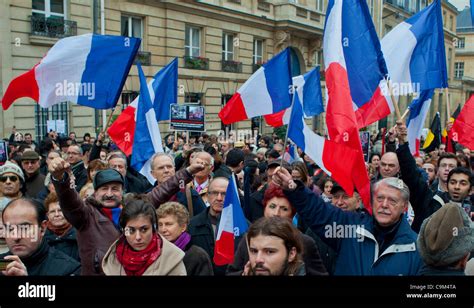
47 261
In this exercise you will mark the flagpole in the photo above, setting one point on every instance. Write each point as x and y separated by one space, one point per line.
403 116
102 31
448 107
109 119
395 103
288 126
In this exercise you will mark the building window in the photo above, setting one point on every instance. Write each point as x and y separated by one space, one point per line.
193 98
132 27
461 42
318 58
320 6
43 115
451 23
49 8
458 70
228 47
370 3
192 42
450 57
48 18
128 97
258 52
388 29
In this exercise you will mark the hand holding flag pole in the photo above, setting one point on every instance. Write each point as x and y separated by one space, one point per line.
293 89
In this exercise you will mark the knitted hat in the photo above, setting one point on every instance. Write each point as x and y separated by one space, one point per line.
107 176
9 167
446 236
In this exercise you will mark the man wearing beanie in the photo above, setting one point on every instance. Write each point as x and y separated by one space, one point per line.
12 183
34 182
445 242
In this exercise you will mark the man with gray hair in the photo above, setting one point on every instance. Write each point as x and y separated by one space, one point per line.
163 170
382 244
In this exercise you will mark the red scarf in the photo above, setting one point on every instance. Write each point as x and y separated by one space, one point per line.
59 231
135 262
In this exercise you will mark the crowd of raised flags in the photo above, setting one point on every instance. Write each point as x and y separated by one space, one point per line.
360 72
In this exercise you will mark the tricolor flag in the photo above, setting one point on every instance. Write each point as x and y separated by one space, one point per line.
309 89
418 110
232 224
433 139
147 139
337 160
267 91
355 72
463 127
352 52
415 54
88 70
163 89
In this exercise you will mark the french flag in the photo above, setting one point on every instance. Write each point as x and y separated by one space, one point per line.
232 224
309 91
265 92
355 71
418 110
147 139
352 47
88 70
165 84
326 154
415 54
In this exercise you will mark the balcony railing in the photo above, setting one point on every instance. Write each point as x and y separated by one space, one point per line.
256 66
52 27
197 63
231 66
144 57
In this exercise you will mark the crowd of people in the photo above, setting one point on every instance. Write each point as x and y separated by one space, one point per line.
76 207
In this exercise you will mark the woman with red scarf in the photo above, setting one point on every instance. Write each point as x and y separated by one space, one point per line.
141 250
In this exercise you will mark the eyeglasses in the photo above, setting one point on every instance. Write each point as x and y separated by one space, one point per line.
215 193
13 178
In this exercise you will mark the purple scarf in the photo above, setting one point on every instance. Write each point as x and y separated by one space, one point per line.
182 240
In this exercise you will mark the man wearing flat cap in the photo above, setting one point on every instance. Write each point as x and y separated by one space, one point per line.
34 180
445 242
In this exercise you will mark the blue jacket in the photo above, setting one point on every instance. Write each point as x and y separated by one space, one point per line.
351 235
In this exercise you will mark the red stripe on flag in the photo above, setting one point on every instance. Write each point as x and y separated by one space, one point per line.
24 85
233 111
275 119
224 249
343 128
333 155
375 110
122 130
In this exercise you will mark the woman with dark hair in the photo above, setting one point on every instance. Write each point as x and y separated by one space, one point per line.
299 171
275 204
173 220
86 139
374 161
141 250
325 184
